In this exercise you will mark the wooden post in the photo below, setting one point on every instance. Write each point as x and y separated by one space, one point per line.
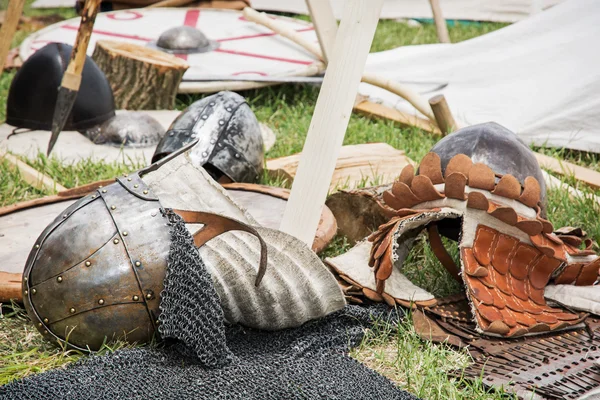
122 62
9 27
330 119
325 24
443 117
440 22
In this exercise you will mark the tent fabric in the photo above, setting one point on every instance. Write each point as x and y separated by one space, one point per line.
475 10
539 77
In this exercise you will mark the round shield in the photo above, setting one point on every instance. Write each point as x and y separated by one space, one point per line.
241 48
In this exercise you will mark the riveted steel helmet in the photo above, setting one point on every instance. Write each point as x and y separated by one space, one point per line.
97 272
230 143
34 89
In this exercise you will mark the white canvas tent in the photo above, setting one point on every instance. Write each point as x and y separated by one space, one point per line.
538 77
475 10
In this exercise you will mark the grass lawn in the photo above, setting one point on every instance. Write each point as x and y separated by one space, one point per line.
416 366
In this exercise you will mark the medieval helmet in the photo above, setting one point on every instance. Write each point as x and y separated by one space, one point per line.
495 146
34 90
509 253
98 271
230 141
120 263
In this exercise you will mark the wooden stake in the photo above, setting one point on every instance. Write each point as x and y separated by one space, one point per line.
278 27
325 24
170 3
123 62
440 22
443 117
377 80
32 176
9 27
330 119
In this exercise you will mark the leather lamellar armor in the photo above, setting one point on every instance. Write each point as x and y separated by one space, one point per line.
230 143
97 272
509 253
34 90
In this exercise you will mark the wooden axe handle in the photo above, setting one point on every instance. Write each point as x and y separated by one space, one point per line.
72 77
9 27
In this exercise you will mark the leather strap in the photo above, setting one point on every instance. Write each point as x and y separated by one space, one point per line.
435 242
215 225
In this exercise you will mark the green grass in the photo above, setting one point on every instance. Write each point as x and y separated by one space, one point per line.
417 366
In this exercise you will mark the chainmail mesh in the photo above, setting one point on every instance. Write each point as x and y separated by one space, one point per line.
190 310
309 362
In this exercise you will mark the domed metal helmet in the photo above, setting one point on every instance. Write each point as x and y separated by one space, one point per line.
498 148
230 142
34 89
97 272
121 264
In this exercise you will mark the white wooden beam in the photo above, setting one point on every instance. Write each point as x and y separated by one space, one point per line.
325 25
330 119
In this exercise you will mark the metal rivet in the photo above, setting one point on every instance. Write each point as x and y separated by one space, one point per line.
228 109
37 246
212 103
213 141
72 310
237 155
136 186
205 117
125 233
103 190
153 214
40 324
128 179
65 216
136 298
149 295
221 122
145 192
45 332
33 291
100 301
116 241
88 263
94 196
113 207
59 279
204 154
172 134
138 264
26 292
157 321
46 320
25 279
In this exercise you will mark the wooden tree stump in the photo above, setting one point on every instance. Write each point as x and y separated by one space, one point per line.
141 78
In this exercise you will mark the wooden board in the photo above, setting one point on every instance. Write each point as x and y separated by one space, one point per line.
380 111
20 229
245 49
366 164
561 167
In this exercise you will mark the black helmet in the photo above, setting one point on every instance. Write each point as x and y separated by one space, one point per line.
34 89
230 143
